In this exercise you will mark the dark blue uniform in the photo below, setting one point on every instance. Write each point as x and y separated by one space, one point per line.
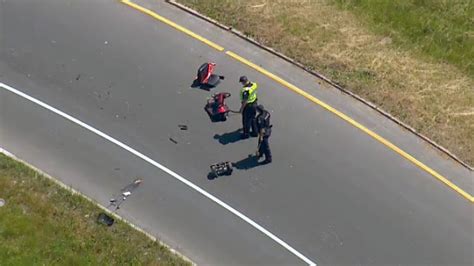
265 131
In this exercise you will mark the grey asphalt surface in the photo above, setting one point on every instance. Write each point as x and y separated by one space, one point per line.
333 193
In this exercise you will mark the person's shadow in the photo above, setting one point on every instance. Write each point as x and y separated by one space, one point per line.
229 137
247 163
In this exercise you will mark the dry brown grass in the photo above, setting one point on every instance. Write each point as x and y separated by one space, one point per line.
437 99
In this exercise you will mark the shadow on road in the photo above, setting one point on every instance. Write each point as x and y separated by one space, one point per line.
203 87
211 176
229 137
247 163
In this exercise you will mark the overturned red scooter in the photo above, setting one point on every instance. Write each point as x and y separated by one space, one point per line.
206 78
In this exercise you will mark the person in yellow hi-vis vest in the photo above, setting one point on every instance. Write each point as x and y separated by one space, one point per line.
248 99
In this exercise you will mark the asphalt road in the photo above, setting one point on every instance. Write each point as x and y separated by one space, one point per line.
333 193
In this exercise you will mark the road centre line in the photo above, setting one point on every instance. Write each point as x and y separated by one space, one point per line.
164 169
172 24
310 97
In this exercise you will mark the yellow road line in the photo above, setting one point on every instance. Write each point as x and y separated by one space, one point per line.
172 24
307 96
354 123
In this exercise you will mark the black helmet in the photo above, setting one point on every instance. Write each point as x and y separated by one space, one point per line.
243 79
260 108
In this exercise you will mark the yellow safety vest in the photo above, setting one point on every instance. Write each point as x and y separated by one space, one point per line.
252 92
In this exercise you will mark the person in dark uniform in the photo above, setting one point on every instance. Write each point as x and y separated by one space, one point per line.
264 132
248 98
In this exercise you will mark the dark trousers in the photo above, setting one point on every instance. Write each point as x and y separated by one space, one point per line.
264 149
248 118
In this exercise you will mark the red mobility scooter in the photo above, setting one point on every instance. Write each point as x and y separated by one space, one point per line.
216 107
205 77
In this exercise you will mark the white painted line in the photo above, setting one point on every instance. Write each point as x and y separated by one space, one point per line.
105 209
163 168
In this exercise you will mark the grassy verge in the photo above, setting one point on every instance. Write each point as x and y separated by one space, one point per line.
42 223
439 29
411 58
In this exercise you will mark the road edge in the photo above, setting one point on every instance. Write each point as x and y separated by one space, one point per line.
322 77
115 215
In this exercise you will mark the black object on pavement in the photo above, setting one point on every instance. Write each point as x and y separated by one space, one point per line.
220 169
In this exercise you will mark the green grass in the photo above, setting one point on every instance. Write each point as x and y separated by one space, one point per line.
44 224
412 58
441 29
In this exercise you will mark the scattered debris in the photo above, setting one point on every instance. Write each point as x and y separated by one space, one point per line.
2 202
183 127
174 141
105 219
126 103
258 6
124 192
386 40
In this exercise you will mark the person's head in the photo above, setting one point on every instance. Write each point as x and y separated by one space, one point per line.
243 80
260 108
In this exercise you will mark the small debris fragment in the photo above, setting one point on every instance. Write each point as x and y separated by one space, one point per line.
78 77
183 127
2 202
105 219
174 141
106 42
